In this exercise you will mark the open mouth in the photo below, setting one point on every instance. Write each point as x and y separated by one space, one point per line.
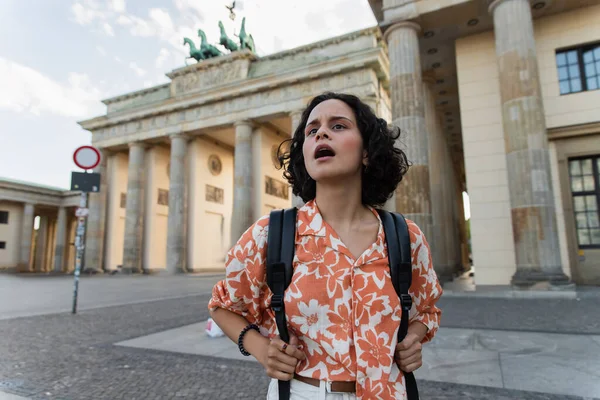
323 151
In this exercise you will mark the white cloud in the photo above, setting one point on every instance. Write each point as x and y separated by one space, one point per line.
118 5
162 19
124 20
162 57
147 84
108 29
138 71
85 14
26 90
101 50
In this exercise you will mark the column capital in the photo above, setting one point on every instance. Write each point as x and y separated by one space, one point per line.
244 122
179 135
143 145
398 25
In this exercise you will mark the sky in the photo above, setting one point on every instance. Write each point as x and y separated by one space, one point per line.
60 58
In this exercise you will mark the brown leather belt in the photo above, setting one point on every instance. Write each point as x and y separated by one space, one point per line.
336 386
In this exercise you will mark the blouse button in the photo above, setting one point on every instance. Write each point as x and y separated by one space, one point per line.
357 323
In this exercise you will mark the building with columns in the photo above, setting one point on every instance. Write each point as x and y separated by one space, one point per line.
37 227
496 98
515 92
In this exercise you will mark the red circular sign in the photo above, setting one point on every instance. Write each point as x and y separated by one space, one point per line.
87 157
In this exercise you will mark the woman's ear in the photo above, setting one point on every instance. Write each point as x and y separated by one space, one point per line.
365 159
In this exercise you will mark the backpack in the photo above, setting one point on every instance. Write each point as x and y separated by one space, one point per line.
281 245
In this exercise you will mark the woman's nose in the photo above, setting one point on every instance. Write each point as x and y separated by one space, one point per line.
321 134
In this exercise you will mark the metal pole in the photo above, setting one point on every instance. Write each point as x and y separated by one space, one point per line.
79 244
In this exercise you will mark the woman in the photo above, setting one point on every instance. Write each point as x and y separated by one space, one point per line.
341 307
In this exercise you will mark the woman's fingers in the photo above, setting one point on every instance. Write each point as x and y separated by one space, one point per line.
410 360
282 376
288 349
277 365
412 367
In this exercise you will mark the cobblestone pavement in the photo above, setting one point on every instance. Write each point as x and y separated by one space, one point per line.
64 356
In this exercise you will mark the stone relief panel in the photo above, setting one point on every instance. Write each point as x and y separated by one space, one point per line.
163 197
214 194
196 78
215 166
276 188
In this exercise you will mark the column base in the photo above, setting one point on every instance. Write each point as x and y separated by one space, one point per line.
526 279
92 271
129 271
445 273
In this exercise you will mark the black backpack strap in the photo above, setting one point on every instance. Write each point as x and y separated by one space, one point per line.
281 244
399 255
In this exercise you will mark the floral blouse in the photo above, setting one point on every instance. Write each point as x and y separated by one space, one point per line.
344 311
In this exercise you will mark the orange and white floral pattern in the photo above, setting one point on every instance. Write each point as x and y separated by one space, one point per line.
344 311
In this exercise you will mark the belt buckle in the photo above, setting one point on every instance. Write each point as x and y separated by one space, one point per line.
329 389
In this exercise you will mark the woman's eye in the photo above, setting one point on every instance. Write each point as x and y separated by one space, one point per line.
338 126
312 131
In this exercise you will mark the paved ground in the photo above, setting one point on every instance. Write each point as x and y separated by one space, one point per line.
65 356
486 357
26 295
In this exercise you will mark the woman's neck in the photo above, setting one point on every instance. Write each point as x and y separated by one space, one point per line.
341 204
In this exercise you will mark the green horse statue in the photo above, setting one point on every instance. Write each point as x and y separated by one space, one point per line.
195 53
207 49
225 40
246 41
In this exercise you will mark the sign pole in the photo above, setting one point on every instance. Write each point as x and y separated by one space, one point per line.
79 244
86 158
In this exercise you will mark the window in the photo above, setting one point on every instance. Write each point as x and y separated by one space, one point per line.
3 217
584 174
579 69
2 245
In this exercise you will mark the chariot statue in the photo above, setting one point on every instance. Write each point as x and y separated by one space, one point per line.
207 50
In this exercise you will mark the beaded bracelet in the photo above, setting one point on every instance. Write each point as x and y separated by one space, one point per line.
241 338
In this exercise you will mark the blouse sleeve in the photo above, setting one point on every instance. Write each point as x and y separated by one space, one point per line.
425 288
244 290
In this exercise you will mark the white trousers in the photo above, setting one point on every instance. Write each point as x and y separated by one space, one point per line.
304 391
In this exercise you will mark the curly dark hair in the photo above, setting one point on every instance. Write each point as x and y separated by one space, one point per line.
387 163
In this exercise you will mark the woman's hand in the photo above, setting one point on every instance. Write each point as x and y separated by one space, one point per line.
281 358
408 355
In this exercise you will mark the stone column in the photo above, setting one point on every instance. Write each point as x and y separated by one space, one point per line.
96 221
176 228
296 116
26 236
243 189
413 193
40 244
132 247
439 169
61 237
529 181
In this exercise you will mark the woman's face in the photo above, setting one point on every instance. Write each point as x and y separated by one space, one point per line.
333 145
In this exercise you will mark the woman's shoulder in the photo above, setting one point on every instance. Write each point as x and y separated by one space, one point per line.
417 236
256 235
